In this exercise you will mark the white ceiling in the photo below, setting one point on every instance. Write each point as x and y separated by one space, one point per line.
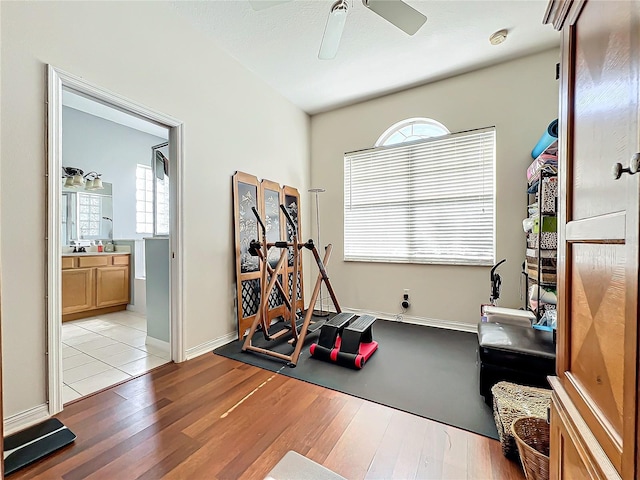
91 106
280 44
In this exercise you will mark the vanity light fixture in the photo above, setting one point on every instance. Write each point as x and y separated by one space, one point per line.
76 178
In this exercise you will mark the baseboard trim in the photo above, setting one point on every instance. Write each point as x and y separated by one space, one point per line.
154 342
25 419
427 322
135 309
211 345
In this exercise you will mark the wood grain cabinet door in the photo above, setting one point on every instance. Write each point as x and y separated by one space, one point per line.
112 286
568 463
598 256
77 290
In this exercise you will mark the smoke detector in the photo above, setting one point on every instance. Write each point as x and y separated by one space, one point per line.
498 37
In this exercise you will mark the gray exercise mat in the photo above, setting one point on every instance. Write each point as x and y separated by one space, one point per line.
430 372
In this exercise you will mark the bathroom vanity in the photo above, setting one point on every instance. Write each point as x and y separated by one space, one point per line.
94 283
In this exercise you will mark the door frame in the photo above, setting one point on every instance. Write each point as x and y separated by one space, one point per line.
57 79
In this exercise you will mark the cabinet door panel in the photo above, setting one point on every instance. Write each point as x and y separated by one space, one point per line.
575 453
112 286
598 326
605 120
77 290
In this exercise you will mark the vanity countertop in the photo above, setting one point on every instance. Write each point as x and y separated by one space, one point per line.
93 254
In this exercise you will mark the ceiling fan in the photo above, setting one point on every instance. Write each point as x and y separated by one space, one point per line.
397 12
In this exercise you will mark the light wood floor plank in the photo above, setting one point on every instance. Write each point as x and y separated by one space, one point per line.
215 418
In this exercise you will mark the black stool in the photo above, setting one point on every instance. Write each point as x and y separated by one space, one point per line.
516 354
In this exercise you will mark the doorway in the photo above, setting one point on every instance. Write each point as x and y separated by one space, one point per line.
86 213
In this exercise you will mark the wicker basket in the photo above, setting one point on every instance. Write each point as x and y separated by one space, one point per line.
512 401
532 439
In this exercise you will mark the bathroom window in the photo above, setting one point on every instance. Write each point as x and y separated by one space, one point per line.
90 215
144 199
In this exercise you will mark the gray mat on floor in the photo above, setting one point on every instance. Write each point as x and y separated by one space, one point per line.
298 467
430 372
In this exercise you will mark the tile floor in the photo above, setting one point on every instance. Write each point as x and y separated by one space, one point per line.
100 351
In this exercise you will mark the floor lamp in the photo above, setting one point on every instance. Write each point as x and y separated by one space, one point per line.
321 313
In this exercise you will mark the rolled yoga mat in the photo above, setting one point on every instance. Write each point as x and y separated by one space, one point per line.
549 136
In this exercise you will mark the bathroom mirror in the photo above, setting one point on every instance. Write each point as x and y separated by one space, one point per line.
86 215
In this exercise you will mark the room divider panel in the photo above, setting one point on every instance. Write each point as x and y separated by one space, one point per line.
271 198
266 197
292 203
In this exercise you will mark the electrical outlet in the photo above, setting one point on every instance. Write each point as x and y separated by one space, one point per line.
405 299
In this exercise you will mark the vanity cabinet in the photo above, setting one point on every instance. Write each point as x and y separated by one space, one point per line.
77 290
94 284
112 286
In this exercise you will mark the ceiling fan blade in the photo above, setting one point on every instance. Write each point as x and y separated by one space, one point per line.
333 31
403 16
263 4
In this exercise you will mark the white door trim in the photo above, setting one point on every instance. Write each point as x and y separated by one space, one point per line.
57 79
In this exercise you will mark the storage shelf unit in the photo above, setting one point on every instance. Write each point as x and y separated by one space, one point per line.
540 263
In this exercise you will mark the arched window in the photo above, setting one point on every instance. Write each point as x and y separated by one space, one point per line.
422 195
411 129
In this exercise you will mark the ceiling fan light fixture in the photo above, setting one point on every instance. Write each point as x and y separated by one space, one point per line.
333 30
398 13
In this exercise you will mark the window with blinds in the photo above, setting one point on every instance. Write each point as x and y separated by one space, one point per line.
430 201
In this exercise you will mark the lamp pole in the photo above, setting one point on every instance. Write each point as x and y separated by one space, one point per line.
316 191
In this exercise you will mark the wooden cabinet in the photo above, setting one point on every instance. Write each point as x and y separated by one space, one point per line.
94 284
594 427
77 290
112 286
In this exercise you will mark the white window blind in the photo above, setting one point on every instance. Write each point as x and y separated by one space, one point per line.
430 201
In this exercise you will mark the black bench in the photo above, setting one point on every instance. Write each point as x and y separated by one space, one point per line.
516 354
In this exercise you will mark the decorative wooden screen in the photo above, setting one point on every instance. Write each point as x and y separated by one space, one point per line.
245 196
266 197
271 198
292 203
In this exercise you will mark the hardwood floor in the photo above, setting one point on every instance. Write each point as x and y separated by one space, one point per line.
189 421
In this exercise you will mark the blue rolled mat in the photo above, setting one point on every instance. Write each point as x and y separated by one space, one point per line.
549 136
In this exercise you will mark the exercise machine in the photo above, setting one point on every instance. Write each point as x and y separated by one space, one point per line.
299 328
261 250
346 340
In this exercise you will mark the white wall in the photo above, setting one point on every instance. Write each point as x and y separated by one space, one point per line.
520 98
144 52
95 144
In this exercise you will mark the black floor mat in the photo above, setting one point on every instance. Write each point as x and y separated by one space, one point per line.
34 443
430 372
